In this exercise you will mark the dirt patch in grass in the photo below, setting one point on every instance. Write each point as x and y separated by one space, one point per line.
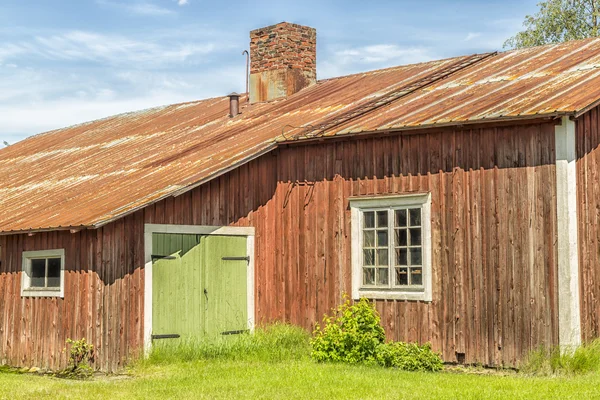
478 370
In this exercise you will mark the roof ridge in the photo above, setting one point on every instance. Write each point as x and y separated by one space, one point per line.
365 108
387 69
449 58
590 39
124 114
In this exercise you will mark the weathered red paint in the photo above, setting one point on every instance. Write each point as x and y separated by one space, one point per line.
493 226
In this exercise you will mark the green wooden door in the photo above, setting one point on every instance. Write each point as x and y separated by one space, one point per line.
177 300
200 289
226 285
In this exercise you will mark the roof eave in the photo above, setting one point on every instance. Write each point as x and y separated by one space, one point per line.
418 128
73 229
187 188
592 105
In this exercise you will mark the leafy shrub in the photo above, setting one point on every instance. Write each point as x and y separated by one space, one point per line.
81 354
273 343
409 357
584 359
353 334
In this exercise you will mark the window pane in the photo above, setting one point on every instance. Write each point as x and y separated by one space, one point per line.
369 219
415 216
416 276
400 218
401 237
401 257
382 257
382 219
54 272
368 276
401 276
368 238
38 272
415 237
368 257
415 256
382 276
382 238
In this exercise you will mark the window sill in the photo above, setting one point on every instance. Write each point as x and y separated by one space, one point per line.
382 294
42 292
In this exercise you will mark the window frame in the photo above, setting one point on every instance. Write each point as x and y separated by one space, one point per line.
360 204
26 289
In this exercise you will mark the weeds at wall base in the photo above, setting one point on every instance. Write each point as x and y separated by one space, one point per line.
554 361
81 356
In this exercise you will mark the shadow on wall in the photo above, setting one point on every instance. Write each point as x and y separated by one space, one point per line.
390 164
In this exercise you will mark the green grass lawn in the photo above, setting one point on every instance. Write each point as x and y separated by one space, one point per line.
300 379
275 363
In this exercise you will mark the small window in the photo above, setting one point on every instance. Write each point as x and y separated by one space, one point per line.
43 273
391 250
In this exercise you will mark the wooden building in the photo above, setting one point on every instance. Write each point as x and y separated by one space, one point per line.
460 195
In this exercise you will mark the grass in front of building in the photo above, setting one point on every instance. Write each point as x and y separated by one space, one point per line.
297 379
275 363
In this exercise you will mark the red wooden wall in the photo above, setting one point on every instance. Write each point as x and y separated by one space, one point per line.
588 213
103 297
493 235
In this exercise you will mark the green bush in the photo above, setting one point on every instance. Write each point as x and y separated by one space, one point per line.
271 343
409 357
353 334
584 359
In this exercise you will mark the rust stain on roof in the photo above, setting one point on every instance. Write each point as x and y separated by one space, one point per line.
92 173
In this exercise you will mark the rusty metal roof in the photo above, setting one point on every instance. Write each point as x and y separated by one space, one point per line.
90 174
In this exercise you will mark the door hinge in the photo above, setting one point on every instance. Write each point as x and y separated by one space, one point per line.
247 258
166 336
235 332
159 257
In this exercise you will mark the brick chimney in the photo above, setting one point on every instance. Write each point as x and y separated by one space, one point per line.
283 60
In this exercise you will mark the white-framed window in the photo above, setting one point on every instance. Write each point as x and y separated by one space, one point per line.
43 273
391 247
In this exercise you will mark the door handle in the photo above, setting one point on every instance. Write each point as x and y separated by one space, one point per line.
206 294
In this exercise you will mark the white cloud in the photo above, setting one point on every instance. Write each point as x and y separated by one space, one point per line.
359 59
140 8
52 79
11 50
183 2
34 101
111 49
380 53
472 35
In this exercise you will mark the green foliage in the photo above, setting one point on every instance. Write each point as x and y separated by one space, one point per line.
585 359
81 354
409 357
353 334
272 343
7 369
558 21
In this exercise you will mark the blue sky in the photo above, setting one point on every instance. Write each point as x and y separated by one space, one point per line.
65 62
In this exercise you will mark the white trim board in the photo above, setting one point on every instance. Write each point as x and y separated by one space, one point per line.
149 229
199 230
569 322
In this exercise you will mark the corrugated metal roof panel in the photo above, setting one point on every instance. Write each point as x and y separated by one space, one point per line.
92 173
